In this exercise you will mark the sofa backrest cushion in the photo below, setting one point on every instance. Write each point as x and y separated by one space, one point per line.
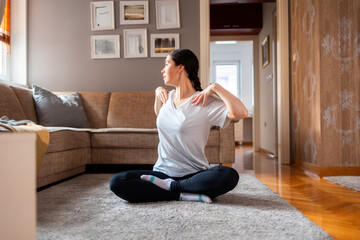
26 100
9 104
96 105
65 110
132 110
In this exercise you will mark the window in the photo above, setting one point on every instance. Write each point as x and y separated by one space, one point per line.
227 74
5 44
4 62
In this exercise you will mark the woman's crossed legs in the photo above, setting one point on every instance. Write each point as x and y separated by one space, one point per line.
133 186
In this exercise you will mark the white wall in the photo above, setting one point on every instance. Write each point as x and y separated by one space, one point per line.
241 52
267 125
19 38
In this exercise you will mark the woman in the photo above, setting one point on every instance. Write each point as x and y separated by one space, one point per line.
184 118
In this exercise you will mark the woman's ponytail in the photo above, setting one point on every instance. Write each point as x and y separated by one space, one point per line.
190 62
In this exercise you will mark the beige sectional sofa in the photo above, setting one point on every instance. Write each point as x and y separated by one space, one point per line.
122 131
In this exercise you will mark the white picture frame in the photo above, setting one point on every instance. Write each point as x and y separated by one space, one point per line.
162 44
135 43
105 46
167 14
102 15
134 12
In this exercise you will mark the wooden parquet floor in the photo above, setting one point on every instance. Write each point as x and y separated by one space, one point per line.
334 208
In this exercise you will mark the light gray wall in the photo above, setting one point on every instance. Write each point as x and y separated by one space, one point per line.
59 48
267 125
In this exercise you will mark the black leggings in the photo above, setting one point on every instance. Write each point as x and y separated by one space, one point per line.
212 182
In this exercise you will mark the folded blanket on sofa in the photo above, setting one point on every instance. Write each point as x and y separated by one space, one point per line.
42 135
7 121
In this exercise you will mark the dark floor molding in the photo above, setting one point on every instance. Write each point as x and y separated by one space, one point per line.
102 168
243 143
115 168
57 182
328 171
261 150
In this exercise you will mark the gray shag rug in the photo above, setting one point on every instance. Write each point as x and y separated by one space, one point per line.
352 182
85 208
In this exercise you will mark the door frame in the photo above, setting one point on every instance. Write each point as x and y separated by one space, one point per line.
256 111
283 79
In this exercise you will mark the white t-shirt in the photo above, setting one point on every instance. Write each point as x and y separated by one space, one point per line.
183 134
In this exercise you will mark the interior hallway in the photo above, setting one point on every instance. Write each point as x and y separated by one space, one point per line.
334 208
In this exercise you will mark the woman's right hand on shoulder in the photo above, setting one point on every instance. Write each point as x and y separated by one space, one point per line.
162 94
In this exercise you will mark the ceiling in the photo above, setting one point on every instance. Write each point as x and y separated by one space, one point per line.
236 17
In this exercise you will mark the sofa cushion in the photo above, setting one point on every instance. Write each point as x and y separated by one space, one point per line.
64 110
26 100
62 162
136 138
96 105
214 138
124 130
123 156
125 140
9 104
131 110
212 155
68 140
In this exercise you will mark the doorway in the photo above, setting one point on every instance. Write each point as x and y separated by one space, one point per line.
232 66
282 75
259 97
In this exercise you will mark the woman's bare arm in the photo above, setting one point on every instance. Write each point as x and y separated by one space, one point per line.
236 108
161 96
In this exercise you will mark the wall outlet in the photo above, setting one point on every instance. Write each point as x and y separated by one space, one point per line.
269 77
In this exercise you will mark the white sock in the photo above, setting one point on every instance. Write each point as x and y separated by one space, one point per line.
163 183
194 197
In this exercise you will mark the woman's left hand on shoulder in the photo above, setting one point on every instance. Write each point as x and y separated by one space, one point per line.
203 95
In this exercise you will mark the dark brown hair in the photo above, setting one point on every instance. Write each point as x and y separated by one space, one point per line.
190 62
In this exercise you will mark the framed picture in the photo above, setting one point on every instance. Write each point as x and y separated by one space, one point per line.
265 52
134 12
167 14
135 43
105 46
102 15
162 44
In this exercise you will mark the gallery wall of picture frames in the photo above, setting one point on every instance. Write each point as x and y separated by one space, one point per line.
134 40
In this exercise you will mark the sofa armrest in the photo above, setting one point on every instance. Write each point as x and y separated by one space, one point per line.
227 144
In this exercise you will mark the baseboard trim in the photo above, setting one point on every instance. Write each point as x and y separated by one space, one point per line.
243 143
226 164
328 171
